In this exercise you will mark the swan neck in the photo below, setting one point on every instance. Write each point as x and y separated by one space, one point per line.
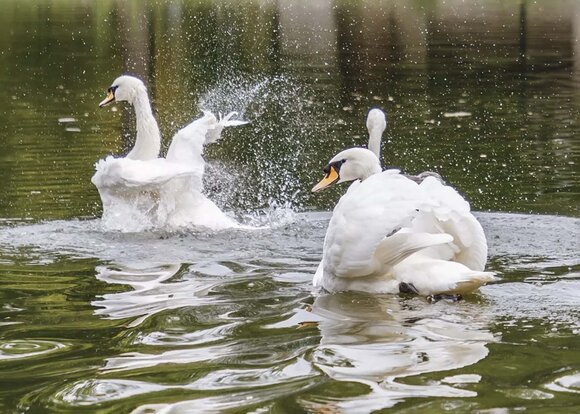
371 170
148 141
375 137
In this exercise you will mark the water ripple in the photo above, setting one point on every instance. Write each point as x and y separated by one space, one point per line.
95 391
203 336
250 352
256 377
566 383
31 348
379 396
219 330
377 341
231 401
151 293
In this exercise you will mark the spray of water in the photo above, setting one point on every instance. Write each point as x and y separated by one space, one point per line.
255 175
259 175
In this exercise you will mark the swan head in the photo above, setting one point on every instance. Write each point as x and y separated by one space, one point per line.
376 121
349 165
124 88
376 125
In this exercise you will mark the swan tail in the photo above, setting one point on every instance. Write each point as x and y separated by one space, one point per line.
396 248
435 276
462 282
474 280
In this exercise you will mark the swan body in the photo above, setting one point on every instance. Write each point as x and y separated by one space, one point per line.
389 229
142 190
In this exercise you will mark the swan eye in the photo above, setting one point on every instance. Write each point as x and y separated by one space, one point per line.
336 165
112 89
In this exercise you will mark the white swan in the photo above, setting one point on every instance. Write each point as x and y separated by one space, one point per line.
141 190
389 233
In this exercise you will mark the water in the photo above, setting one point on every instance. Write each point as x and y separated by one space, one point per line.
93 321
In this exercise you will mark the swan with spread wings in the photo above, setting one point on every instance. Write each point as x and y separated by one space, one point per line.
144 190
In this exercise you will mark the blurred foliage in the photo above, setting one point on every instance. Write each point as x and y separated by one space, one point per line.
318 69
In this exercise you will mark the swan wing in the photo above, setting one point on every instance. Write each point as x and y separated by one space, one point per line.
397 247
214 134
188 143
368 232
450 213
127 173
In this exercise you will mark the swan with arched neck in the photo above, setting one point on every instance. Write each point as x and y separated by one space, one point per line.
143 190
389 233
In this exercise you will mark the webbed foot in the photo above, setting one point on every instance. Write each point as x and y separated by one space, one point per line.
444 296
407 288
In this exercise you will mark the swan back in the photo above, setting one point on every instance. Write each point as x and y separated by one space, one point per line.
359 221
452 215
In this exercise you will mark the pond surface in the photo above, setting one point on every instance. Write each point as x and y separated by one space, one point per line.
486 93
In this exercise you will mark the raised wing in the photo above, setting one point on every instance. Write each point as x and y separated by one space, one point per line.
187 145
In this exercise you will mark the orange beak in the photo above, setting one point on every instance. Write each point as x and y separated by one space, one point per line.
330 179
110 98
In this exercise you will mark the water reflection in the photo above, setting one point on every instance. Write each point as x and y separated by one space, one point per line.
566 383
185 309
377 341
374 341
151 293
178 322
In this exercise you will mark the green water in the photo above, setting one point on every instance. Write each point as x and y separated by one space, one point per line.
92 321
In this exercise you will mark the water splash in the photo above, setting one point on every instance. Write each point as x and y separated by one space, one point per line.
261 183
233 93
273 216
266 158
